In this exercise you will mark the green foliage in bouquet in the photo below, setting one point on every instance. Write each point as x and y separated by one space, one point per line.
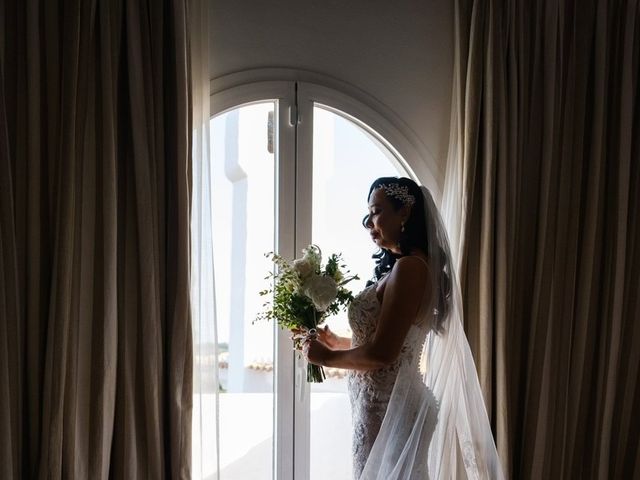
303 294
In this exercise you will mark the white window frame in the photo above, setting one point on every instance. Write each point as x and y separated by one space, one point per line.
294 151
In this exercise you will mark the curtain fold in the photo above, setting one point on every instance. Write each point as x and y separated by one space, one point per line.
95 313
542 199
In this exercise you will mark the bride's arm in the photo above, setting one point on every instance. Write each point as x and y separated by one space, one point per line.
401 301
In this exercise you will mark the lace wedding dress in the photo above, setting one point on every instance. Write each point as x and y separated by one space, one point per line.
370 392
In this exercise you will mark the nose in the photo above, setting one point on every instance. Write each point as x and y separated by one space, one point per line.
366 222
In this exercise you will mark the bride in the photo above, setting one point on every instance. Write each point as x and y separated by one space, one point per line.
416 402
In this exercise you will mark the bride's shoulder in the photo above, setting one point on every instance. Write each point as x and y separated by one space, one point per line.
408 280
410 269
412 262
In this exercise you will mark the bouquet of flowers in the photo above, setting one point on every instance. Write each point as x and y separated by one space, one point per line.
304 293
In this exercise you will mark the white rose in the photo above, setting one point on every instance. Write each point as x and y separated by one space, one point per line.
322 291
303 267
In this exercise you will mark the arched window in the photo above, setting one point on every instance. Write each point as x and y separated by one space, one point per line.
291 164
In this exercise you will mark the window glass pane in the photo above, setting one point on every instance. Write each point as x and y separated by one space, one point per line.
242 196
346 160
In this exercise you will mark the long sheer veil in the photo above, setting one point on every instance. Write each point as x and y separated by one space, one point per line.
436 426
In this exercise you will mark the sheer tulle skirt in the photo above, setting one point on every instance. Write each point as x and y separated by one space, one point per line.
400 450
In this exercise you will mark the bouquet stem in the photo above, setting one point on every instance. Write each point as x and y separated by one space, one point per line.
315 373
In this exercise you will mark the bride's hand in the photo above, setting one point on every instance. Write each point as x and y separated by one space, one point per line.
323 335
327 337
315 351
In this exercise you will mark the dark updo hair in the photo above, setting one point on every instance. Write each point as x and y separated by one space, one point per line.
414 237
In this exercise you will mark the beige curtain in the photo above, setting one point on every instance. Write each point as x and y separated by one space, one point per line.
95 328
544 179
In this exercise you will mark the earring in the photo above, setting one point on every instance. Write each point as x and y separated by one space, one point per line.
402 227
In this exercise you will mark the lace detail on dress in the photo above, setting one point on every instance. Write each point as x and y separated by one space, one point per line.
469 458
370 391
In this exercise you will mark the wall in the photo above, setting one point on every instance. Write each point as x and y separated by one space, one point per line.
398 52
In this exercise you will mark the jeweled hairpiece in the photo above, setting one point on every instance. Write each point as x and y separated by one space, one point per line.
400 192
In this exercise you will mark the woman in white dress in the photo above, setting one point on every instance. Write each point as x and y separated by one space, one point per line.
416 403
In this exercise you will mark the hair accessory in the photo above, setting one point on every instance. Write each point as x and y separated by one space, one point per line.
401 192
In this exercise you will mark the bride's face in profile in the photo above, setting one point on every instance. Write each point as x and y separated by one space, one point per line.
384 222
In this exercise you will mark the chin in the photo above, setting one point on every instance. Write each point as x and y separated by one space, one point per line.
383 245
